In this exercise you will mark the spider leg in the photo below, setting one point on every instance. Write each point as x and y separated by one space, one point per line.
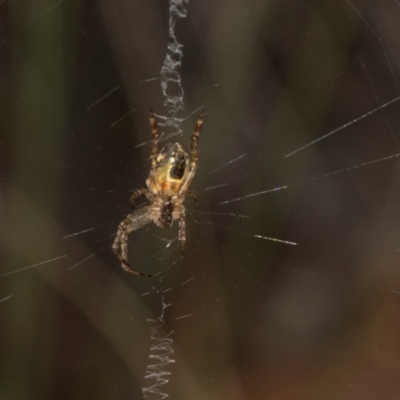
182 230
194 154
156 136
152 180
131 223
192 195
136 194
195 140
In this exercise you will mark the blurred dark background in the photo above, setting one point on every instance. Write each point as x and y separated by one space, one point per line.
248 318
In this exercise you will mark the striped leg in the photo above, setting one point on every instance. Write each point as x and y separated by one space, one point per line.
156 136
131 223
182 230
195 139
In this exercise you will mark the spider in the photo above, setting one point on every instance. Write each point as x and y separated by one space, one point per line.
171 174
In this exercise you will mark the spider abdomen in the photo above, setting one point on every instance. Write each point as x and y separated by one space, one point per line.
172 170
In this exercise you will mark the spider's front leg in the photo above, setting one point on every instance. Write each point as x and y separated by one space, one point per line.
193 156
156 136
132 222
195 140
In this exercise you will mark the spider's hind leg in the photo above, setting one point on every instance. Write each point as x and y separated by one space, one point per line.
126 267
131 223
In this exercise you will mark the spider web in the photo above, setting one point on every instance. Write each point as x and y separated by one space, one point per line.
161 351
289 287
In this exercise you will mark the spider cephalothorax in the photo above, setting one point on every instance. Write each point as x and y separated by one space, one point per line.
166 214
171 173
